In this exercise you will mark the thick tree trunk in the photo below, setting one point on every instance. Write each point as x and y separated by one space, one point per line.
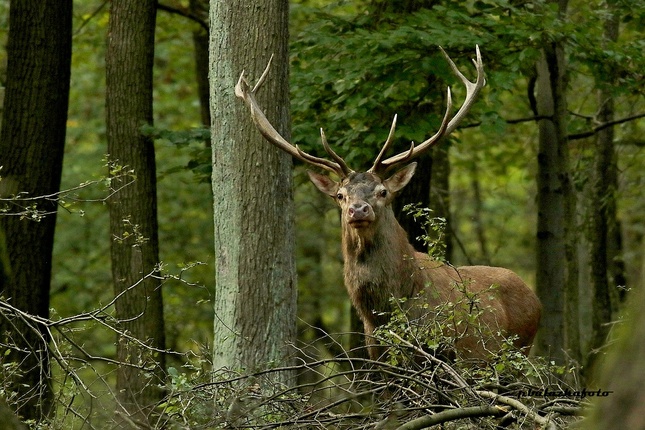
417 192
31 155
478 222
554 202
430 189
133 209
255 297
440 192
602 216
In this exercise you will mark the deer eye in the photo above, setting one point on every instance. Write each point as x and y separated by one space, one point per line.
382 193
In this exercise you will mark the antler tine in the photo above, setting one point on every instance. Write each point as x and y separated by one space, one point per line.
263 76
472 88
343 166
244 92
343 170
386 145
447 126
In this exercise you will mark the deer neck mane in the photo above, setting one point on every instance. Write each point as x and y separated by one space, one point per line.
384 241
379 264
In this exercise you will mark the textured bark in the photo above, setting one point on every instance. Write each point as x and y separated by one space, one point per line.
255 297
602 214
430 189
133 210
554 203
31 155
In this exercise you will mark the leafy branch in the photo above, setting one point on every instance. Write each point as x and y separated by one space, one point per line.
34 208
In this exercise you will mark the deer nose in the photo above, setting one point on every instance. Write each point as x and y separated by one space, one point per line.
359 210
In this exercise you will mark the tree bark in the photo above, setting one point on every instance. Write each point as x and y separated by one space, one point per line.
32 143
200 42
440 192
417 191
554 203
133 209
603 213
478 222
255 297
430 187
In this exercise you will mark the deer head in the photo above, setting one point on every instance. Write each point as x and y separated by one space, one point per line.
363 197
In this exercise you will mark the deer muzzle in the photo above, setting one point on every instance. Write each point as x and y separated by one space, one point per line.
360 214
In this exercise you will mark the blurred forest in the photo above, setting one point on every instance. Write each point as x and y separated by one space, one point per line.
354 64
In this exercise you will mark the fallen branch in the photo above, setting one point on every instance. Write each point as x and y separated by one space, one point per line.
546 423
452 415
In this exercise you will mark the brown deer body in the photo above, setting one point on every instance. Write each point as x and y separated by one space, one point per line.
380 263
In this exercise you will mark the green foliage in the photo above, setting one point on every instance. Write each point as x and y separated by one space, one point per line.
615 65
375 66
433 227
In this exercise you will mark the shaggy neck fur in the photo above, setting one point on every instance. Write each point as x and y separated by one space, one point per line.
379 264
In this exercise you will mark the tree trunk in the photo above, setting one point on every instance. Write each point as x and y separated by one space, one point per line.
440 193
416 192
478 222
32 143
553 203
430 187
133 209
255 297
200 42
603 213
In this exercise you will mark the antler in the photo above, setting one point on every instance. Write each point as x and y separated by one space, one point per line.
243 91
447 127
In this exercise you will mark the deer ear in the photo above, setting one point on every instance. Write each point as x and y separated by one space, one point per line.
324 183
400 179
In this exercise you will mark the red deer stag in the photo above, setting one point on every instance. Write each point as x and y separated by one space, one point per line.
381 264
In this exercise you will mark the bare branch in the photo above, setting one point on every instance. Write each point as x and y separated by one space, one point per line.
186 13
516 404
605 125
452 415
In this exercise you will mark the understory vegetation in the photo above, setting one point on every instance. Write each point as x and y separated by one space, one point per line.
420 382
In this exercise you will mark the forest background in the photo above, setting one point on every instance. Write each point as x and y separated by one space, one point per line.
350 72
